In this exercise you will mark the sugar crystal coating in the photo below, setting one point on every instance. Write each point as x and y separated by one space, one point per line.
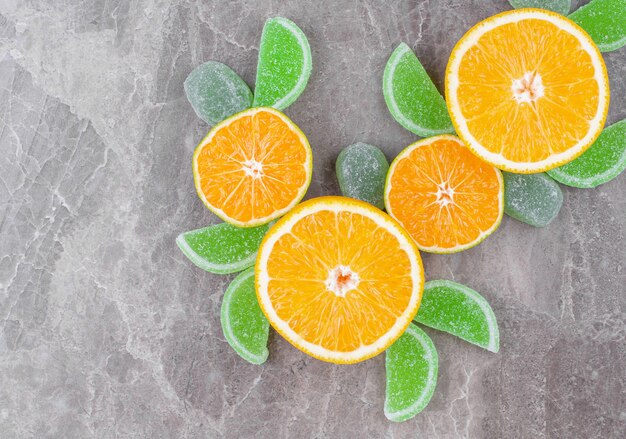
361 171
604 21
216 92
560 6
602 162
534 199
222 248
245 327
458 310
411 97
411 366
284 64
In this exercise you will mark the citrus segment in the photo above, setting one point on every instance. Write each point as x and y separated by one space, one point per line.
284 64
411 366
534 199
444 196
458 310
411 97
527 90
560 6
339 279
244 325
605 21
216 92
252 167
602 162
222 248
361 171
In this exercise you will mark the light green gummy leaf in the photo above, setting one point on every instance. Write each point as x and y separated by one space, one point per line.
412 98
361 171
411 366
458 310
560 6
284 64
216 92
602 162
604 21
245 326
222 248
534 199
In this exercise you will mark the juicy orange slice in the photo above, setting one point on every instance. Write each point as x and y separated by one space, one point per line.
252 167
444 196
339 279
527 90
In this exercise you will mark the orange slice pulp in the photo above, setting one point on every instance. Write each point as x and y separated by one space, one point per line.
339 279
253 167
444 196
527 90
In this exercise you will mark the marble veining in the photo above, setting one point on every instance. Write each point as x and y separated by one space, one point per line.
106 330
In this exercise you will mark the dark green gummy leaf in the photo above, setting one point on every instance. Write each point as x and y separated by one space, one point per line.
216 92
361 171
534 199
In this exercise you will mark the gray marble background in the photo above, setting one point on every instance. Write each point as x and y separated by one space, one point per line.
106 330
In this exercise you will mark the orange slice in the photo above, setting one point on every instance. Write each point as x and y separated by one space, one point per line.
444 196
527 90
252 167
339 279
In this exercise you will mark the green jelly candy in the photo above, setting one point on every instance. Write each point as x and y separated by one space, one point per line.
284 64
361 171
411 365
222 248
412 98
533 199
245 326
602 162
216 92
604 21
560 6
460 311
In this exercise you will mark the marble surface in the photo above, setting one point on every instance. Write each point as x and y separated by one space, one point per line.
106 330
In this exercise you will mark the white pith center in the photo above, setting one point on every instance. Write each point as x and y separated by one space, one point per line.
342 279
444 194
252 168
528 88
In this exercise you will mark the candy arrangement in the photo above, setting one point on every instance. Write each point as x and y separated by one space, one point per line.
341 277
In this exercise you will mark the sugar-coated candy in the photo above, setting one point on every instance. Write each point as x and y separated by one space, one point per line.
284 65
222 248
458 310
245 327
411 367
602 162
361 171
216 92
534 199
